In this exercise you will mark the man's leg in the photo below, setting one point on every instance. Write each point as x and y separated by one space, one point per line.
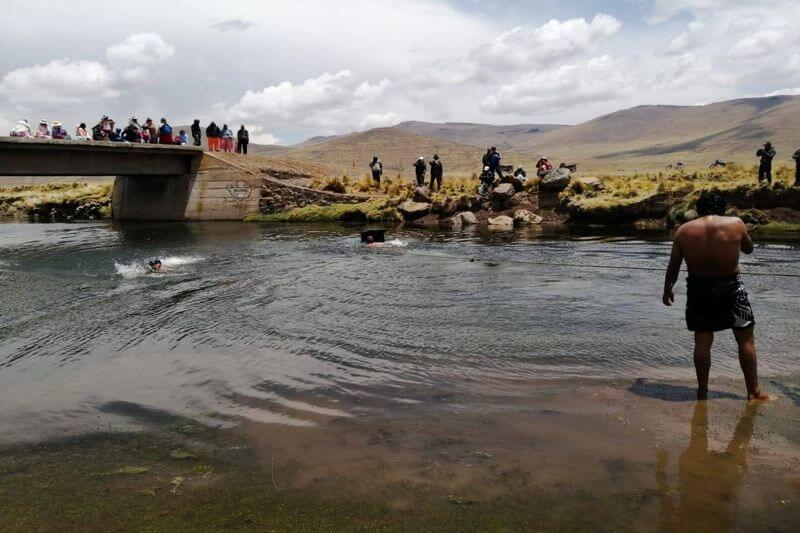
748 360
702 361
244 147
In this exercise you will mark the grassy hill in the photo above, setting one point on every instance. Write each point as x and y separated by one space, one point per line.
483 135
640 139
398 149
649 137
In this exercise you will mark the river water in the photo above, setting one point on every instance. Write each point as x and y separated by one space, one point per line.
286 311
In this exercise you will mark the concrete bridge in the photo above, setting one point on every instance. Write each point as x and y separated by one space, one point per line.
152 182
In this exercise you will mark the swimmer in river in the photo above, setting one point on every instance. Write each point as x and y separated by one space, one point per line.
717 299
155 265
372 243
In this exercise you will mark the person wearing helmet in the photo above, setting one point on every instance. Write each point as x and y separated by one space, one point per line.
437 170
420 168
487 179
154 265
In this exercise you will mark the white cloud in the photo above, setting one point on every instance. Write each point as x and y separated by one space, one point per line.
784 92
664 10
523 49
370 91
328 103
379 120
259 136
764 41
289 102
135 54
597 80
59 82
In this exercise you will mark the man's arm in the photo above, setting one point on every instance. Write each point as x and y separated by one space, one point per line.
747 242
673 270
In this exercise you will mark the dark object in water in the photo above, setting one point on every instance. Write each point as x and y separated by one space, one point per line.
378 235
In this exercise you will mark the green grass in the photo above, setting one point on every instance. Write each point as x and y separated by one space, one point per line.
626 190
378 209
24 199
778 227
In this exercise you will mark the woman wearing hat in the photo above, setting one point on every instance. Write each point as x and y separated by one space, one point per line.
59 132
22 129
43 132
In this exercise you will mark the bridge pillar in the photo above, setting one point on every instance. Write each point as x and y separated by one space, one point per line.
151 197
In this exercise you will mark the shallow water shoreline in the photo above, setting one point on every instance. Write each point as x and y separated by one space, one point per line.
575 454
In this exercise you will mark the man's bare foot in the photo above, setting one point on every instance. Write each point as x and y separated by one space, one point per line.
702 395
759 396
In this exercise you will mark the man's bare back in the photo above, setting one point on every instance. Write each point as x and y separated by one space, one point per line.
716 297
711 245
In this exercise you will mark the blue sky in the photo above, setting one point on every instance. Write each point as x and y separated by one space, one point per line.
290 70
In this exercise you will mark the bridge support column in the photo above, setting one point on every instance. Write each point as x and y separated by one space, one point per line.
151 197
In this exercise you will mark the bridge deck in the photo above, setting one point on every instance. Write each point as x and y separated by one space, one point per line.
43 157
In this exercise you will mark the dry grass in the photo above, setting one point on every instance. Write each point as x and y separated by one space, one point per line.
22 199
621 190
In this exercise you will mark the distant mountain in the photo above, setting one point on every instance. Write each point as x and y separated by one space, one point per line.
398 149
644 138
482 135
648 137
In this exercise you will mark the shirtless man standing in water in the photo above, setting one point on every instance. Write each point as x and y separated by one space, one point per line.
717 299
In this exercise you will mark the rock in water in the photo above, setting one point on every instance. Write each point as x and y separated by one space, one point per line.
501 222
413 210
420 195
524 217
468 218
556 180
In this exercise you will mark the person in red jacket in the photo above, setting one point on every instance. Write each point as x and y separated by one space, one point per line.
165 133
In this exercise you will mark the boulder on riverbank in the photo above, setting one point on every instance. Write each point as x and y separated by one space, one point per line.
412 210
523 217
556 180
501 222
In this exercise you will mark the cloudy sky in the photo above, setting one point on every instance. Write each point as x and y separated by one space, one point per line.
292 69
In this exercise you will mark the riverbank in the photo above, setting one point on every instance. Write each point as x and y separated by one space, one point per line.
493 455
57 201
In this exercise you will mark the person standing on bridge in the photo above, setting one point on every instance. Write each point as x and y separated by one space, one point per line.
242 140
165 133
796 158
212 134
227 139
197 134
152 134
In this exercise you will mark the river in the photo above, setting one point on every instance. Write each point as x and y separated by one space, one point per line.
271 310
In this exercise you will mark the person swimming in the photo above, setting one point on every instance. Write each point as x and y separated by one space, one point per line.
371 242
155 265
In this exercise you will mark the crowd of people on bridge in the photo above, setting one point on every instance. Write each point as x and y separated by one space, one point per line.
106 130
